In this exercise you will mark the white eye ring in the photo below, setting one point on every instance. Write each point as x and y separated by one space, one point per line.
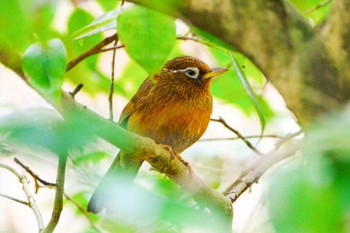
191 72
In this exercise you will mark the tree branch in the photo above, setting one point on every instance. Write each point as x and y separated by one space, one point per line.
94 50
253 173
31 201
58 204
50 185
239 135
14 199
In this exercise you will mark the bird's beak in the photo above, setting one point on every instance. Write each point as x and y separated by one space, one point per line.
214 72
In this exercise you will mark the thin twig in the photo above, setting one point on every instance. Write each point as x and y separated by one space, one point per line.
52 185
238 138
195 39
224 123
253 173
58 204
322 4
83 211
14 199
111 90
112 48
76 90
31 201
35 176
94 50
258 169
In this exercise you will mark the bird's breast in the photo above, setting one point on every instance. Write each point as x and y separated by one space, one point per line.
175 122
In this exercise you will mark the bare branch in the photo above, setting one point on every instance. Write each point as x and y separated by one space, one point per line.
35 176
76 90
322 4
111 90
31 201
260 167
94 50
14 199
83 211
50 185
222 121
253 173
112 48
238 138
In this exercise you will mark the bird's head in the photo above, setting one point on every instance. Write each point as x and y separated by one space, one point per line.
189 71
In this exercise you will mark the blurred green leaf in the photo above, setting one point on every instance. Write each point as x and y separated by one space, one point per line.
44 129
108 5
14 26
45 64
90 157
312 194
41 15
148 36
131 79
249 90
103 23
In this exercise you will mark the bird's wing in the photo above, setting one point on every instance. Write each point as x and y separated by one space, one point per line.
137 101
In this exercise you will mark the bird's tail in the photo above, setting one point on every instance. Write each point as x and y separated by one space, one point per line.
118 179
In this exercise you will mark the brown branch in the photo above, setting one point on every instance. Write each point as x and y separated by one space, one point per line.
244 139
83 211
239 138
253 173
94 50
35 176
111 90
322 4
112 48
260 167
76 90
58 204
195 39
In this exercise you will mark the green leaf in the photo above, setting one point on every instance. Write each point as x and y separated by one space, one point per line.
103 23
14 26
315 10
108 5
242 77
45 65
148 36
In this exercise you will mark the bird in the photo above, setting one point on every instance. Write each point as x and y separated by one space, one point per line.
172 107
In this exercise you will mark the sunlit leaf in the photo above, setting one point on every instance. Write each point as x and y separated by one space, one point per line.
249 90
45 65
315 10
108 5
103 23
148 36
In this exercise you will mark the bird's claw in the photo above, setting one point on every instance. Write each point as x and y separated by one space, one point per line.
174 155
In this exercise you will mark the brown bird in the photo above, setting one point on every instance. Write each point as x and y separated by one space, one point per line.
172 107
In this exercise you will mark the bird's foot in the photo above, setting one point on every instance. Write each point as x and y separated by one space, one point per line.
175 155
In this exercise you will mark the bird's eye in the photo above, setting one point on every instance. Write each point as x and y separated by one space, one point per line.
192 72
